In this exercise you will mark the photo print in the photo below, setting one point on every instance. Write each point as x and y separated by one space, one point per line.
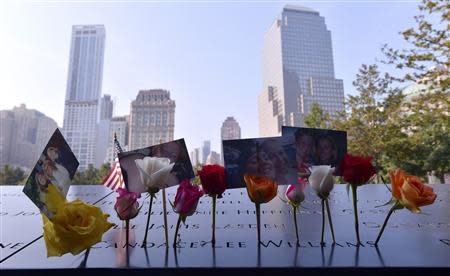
316 147
175 151
269 157
52 175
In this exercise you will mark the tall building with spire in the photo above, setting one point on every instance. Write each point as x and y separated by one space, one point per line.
298 70
84 86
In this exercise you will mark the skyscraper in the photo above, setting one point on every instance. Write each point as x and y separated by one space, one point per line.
152 118
119 126
106 107
230 130
84 85
298 70
206 150
23 135
213 158
195 157
103 130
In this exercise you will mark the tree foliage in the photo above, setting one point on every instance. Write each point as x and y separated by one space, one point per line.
91 175
12 176
411 131
317 118
367 113
422 141
427 57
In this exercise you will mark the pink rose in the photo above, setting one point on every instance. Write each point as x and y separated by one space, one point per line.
294 193
187 198
126 205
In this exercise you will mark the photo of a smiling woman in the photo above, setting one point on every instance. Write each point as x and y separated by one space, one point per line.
254 160
326 151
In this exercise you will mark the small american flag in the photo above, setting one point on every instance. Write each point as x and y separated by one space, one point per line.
114 178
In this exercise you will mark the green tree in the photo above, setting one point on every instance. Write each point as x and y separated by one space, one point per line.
317 118
12 176
102 172
426 59
91 176
366 114
423 144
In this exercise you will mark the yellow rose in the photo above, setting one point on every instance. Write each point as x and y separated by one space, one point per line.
75 227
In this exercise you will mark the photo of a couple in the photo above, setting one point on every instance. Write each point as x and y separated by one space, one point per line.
314 147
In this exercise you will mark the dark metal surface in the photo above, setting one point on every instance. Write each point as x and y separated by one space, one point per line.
410 240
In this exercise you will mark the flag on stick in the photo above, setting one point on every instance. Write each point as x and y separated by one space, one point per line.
114 178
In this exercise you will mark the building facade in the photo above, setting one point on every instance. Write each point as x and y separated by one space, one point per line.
205 151
24 133
298 70
230 130
195 157
106 107
84 85
213 158
152 118
118 126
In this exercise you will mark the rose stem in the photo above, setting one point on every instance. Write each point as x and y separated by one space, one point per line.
355 210
258 220
329 219
176 232
295 222
148 219
385 223
127 228
166 233
323 222
213 241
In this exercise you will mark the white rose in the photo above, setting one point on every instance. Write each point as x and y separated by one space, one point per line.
321 180
154 172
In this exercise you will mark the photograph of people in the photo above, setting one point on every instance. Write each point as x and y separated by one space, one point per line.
57 174
278 157
316 147
254 160
52 175
304 149
326 151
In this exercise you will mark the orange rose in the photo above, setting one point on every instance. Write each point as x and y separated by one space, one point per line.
260 189
410 191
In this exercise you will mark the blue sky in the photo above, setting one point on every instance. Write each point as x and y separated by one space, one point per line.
207 53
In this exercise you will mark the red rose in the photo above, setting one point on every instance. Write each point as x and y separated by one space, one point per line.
213 179
357 170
